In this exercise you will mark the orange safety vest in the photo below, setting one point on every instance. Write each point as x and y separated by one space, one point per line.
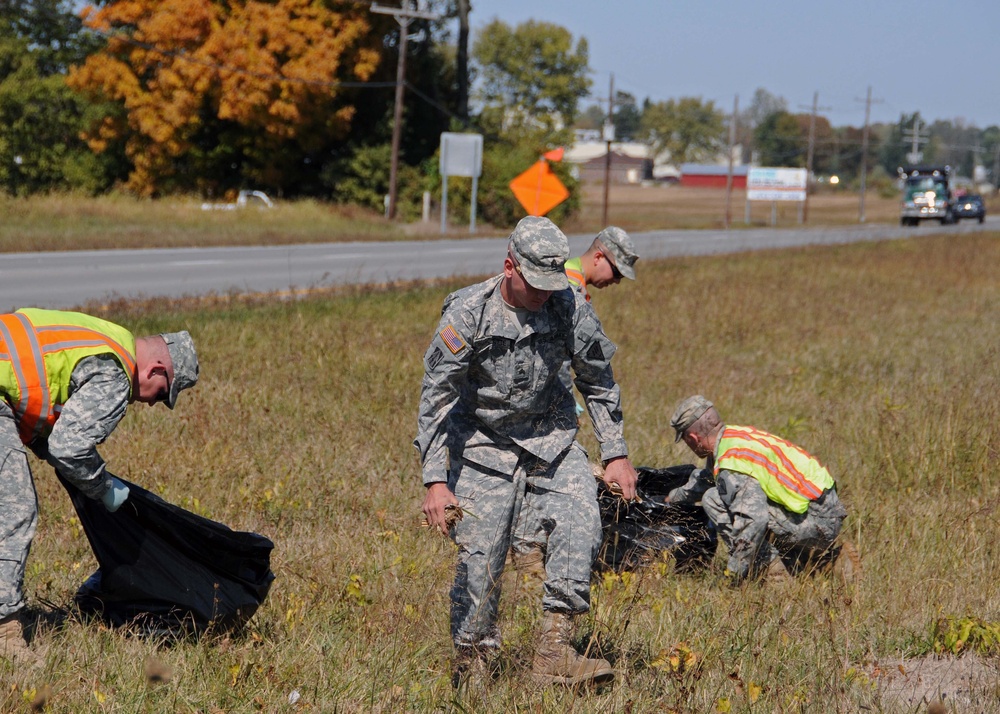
574 271
788 474
38 351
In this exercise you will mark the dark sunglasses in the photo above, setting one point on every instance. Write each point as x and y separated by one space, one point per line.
614 269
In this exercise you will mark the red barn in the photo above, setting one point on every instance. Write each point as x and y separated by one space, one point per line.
712 175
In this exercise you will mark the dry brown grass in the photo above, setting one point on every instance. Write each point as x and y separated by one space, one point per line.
668 207
75 223
880 358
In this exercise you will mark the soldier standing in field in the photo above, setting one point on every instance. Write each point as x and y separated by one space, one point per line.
775 505
66 380
610 257
497 433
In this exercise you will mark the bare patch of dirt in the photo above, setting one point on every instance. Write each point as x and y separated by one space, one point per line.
939 684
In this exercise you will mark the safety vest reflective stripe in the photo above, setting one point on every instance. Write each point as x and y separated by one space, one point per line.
29 345
25 355
578 279
789 476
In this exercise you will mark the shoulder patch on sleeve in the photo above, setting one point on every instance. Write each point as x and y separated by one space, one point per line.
452 340
435 358
595 353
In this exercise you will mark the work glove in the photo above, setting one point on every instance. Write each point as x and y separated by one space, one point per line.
115 496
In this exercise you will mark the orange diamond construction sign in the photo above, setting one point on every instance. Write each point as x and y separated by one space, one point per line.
538 189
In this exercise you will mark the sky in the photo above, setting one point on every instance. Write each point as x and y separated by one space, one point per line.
939 58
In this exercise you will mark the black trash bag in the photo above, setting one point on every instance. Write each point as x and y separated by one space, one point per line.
167 572
635 534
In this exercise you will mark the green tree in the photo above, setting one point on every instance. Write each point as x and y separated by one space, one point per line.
845 160
991 153
40 117
822 142
778 140
689 128
895 145
532 79
761 105
627 117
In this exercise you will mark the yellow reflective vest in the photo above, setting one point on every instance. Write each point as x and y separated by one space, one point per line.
787 473
38 351
574 271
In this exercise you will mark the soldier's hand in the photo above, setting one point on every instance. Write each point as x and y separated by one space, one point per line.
620 471
437 501
116 495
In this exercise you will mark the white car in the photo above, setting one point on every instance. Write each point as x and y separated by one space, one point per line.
246 198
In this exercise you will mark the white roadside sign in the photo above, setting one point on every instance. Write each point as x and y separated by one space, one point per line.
773 184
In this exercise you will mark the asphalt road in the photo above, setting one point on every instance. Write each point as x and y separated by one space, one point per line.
71 279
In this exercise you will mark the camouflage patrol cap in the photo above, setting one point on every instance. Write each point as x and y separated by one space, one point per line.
622 250
687 413
541 249
185 362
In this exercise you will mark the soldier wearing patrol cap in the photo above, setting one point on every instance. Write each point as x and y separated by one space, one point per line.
66 380
610 257
497 434
774 504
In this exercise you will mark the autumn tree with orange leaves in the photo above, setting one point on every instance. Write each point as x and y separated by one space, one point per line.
209 88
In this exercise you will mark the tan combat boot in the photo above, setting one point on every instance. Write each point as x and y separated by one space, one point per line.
776 572
847 564
530 565
556 662
471 667
13 645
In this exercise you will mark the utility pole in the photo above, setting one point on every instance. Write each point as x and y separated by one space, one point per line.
404 16
864 153
732 143
809 152
916 138
609 136
996 170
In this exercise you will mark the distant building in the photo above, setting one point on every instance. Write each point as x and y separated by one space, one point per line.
631 163
712 175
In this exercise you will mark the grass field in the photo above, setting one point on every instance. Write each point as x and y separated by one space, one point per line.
879 358
61 222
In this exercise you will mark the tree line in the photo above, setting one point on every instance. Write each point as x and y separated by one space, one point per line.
768 134
296 97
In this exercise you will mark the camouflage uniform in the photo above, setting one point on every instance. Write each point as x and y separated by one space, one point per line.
99 394
757 530
529 534
498 425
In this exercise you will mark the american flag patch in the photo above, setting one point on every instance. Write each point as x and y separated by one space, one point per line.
452 340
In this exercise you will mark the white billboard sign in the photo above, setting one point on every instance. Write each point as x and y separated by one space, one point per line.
461 154
772 184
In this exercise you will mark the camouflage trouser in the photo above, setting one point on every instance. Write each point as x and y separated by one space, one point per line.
790 536
18 514
563 495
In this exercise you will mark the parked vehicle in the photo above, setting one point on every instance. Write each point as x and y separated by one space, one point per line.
926 194
641 532
970 206
244 199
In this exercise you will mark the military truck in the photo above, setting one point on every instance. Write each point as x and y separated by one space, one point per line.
926 195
